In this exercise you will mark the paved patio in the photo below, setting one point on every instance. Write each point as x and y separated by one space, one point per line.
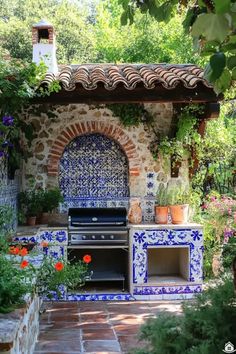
96 327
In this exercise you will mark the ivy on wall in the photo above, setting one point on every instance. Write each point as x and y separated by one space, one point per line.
19 84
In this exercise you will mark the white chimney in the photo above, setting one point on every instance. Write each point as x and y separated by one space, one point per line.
44 46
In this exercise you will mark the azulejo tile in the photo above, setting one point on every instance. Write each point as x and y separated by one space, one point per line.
94 166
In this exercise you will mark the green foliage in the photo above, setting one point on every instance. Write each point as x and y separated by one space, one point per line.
50 199
186 138
204 328
212 26
49 280
162 196
30 202
229 252
178 195
19 83
14 284
130 113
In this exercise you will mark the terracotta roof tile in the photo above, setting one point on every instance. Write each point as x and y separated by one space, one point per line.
89 76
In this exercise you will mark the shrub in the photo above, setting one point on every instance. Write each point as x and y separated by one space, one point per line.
204 328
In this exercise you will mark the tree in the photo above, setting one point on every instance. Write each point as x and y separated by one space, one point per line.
212 24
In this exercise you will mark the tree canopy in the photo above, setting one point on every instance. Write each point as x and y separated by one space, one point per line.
212 24
92 32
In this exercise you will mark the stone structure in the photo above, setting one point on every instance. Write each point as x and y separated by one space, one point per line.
57 126
19 329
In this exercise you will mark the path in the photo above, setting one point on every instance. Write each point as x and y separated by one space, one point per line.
96 327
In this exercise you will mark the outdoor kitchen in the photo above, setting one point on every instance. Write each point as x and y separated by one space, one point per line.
109 178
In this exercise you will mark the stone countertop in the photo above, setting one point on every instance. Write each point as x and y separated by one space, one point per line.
33 230
165 226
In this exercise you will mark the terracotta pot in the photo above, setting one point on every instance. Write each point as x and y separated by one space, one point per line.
44 218
179 213
135 212
31 220
161 214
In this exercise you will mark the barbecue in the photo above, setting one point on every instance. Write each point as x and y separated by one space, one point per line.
103 233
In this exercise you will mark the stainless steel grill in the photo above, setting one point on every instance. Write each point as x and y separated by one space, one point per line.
98 226
103 233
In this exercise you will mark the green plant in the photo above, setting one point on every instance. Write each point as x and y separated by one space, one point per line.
204 328
162 197
131 113
50 200
229 252
178 195
30 202
20 277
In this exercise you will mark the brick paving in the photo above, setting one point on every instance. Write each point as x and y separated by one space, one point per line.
96 327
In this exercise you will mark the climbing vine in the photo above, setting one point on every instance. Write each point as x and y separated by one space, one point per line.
20 82
131 114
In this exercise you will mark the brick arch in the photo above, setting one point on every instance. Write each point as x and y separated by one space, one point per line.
109 130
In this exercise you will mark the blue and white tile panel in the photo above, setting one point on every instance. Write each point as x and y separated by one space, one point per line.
174 292
186 237
99 297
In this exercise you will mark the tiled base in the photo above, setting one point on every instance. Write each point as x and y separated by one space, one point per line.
179 292
99 297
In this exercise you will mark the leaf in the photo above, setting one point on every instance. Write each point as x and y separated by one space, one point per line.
224 81
217 62
234 74
211 26
222 6
124 18
231 62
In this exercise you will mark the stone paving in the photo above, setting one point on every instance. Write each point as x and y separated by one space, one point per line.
96 327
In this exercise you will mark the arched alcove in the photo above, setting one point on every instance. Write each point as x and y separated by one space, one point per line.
93 166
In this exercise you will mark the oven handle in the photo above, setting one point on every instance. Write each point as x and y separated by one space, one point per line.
96 224
92 232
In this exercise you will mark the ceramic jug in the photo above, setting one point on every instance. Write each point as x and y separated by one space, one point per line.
135 212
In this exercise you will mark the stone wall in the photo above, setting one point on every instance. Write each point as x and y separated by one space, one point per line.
19 329
8 192
57 126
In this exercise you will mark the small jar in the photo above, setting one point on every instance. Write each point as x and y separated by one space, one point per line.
135 212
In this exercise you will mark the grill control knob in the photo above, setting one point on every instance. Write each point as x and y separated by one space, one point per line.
102 237
112 237
84 237
93 237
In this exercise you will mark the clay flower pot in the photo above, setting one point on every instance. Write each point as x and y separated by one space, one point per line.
31 220
179 213
161 214
44 218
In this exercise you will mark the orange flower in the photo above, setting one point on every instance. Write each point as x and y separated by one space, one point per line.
44 244
14 250
24 264
23 252
59 266
87 258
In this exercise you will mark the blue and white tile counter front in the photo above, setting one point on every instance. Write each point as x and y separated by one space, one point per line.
142 239
146 237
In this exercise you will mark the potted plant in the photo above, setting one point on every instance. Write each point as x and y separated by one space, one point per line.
161 207
51 198
179 204
30 205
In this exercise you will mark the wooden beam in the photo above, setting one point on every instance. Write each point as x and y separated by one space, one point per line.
140 94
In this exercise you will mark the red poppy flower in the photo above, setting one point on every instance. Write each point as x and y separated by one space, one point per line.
23 252
87 258
14 250
44 244
59 266
24 264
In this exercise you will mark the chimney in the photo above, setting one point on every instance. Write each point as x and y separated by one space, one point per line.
44 46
